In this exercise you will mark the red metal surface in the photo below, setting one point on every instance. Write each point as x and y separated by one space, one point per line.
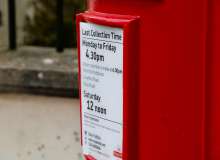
172 75
130 25
213 82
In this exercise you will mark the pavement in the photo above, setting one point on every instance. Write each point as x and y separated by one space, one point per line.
39 128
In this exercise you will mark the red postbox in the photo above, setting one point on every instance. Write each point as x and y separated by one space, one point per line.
167 78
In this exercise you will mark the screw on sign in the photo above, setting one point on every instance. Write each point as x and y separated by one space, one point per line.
89 157
117 154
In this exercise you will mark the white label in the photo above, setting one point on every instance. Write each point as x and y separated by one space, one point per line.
101 62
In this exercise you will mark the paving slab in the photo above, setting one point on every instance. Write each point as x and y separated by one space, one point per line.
39 128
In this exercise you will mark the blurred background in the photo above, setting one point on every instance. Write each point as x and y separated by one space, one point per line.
39 106
36 21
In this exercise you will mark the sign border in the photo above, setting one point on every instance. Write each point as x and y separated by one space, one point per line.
130 26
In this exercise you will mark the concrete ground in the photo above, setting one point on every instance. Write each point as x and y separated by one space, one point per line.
39 128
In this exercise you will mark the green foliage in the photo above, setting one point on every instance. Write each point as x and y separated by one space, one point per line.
40 27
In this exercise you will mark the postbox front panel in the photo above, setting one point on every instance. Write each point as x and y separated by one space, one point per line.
101 63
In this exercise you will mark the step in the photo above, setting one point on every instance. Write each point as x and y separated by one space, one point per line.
39 70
